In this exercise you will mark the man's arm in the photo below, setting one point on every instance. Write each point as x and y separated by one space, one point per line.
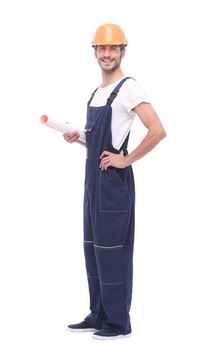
155 134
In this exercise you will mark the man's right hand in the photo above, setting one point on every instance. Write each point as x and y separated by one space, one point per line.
71 136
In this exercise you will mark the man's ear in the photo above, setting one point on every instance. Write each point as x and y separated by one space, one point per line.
95 52
123 52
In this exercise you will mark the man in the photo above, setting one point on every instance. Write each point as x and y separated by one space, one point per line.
109 198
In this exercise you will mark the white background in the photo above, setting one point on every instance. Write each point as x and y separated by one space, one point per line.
47 66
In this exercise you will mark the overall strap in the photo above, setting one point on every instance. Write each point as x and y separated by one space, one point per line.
92 95
115 91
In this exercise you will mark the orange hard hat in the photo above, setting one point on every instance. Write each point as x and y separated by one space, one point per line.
109 34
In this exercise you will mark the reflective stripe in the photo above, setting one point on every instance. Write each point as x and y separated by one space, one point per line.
111 284
102 247
95 277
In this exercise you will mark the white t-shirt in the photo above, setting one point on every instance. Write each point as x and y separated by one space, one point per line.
129 96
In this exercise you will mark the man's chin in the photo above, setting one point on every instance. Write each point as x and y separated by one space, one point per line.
106 66
110 68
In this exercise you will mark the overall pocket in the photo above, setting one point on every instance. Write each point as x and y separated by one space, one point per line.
94 130
113 194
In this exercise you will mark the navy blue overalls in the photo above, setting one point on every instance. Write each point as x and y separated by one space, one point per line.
108 225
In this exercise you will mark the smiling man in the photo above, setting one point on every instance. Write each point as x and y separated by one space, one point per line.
109 198
109 56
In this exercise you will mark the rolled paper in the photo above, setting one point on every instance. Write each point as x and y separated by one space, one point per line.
61 126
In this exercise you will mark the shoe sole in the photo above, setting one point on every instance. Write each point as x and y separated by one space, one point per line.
82 330
115 337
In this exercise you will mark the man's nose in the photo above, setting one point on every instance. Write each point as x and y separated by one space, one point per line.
107 50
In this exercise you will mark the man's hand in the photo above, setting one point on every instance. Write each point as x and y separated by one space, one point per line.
71 136
112 159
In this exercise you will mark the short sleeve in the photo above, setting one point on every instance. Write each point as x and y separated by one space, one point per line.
132 94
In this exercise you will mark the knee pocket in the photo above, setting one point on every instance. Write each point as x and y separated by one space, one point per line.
110 265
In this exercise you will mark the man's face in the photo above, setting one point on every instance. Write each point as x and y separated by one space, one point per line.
109 56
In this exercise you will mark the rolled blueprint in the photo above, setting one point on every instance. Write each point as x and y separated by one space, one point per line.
61 126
